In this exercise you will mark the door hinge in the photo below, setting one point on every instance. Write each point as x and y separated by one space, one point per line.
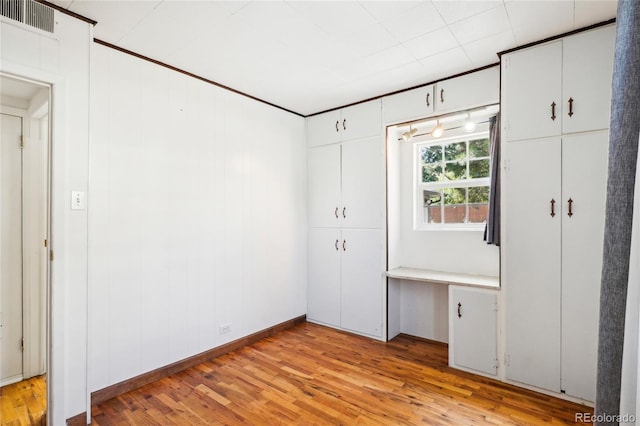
45 242
51 255
507 360
22 345
21 142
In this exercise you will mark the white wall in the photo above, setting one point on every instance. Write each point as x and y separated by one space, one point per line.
630 392
197 217
62 59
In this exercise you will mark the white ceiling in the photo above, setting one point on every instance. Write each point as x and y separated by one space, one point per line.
310 56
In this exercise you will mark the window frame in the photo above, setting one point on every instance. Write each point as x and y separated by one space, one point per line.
482 132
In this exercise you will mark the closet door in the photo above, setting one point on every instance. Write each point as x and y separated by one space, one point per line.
532 259
362 280
587 75
531 84
584 180
324 201
324 129
363 184
325 246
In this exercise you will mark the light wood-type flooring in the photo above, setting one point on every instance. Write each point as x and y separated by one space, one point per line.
315 375
24 403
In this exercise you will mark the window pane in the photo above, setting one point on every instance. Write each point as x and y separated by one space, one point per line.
479 168
478 204
455 151
431 154
455 170
479 148
455 205
432 209
432 173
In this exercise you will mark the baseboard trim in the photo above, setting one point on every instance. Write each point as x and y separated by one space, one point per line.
152 376
78 420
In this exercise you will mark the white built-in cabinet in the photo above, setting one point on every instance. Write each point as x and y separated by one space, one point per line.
458 93
556 100
346 203
355 122
467 91
473 325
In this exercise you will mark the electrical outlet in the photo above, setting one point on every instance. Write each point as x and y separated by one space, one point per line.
225 328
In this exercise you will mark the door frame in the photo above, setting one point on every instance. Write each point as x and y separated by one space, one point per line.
42 335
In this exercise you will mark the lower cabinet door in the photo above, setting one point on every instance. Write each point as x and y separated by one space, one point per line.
473 329
324 276
362 280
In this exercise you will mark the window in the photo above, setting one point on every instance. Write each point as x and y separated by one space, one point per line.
453 182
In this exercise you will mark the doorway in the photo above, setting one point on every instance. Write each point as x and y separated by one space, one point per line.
24 237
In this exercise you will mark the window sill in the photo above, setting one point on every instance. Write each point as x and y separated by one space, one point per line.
479 227
441 277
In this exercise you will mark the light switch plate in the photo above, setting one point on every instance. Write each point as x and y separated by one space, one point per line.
77 200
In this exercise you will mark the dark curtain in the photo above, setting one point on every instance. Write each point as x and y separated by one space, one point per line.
623 154
492 229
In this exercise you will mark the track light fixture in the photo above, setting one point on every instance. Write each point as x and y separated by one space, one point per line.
438 130
406 136
469 125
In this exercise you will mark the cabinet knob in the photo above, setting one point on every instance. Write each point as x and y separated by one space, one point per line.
344 212
337 123
553 207
336 213
427 98
570 107
344 245
344 124
459 310
336 245
553 110
442 95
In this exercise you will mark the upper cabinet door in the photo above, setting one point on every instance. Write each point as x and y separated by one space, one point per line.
531 93
409 105
324 202
468 91
361 121
324 129
587 76
363 183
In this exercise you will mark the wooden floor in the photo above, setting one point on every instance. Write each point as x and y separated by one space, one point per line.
315 375
24 403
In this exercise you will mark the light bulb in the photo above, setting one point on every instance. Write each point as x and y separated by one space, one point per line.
437 131
469 125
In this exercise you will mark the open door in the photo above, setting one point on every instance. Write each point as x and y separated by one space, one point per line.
24 206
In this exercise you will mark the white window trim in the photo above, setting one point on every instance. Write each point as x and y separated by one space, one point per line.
419 186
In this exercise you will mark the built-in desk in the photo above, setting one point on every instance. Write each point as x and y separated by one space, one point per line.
441 277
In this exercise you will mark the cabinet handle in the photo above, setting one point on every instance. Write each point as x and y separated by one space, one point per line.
459 310
570 107
553 110
428 99
442 95
570 202
553 207
344 245
344 212
336 245
336 212
337 128
344 124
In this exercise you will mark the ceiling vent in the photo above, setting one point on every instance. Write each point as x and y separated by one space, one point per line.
28 12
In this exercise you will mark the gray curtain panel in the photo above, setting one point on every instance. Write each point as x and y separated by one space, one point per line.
623 154
492 229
